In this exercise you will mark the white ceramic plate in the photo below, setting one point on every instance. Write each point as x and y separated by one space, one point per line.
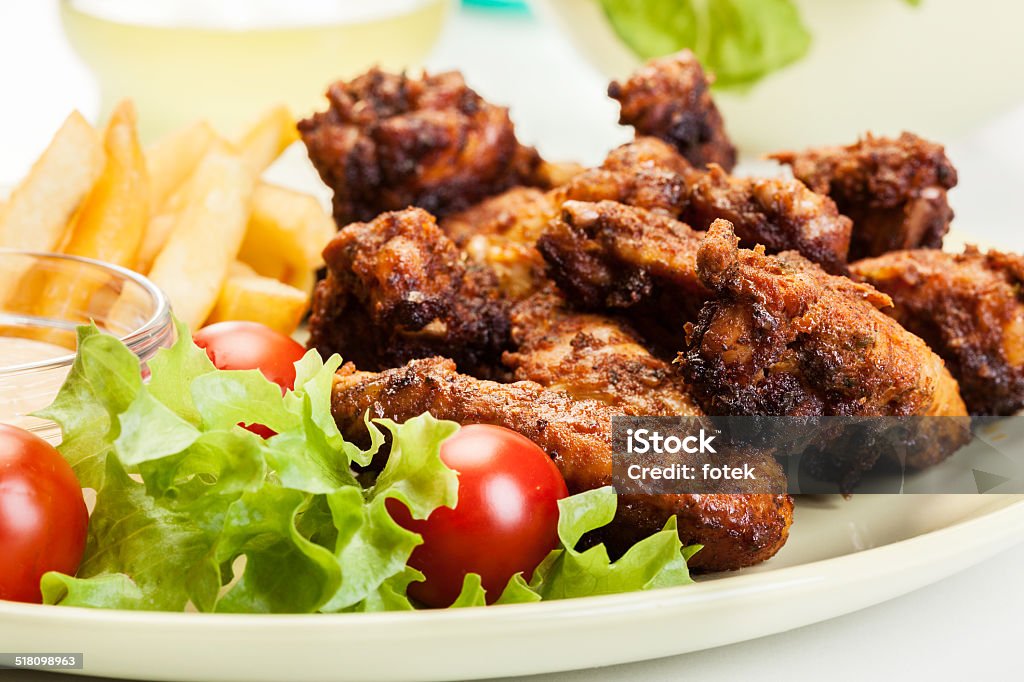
843 555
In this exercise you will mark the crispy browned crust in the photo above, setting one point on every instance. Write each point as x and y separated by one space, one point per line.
388 141
592 357
893 189
397 289
736 530
646 152
782 337
608 256
969 308
779 213
501 231
670 98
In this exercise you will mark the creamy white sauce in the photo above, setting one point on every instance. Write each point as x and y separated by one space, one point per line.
22 393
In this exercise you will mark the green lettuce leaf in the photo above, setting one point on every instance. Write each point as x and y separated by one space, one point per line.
192 510
654 562
740 41
103 382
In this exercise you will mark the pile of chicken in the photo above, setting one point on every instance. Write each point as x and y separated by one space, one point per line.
491 286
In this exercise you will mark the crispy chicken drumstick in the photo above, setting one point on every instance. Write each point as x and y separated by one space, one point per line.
736 530
782 337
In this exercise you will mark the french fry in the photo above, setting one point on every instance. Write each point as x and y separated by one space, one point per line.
179 197
172 158
264 141
193 264
40 207
110 223
158 231
249 296
286 234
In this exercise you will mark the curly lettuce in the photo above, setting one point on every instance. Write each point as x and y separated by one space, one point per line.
194 511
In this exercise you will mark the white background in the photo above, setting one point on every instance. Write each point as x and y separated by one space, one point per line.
965 626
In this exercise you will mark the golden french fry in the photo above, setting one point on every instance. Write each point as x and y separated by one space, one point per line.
110 223
287 232
248 296
264 141
158 231
40 207
179 197
172 158
193 264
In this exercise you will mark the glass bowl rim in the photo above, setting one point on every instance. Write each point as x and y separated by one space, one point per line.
160 318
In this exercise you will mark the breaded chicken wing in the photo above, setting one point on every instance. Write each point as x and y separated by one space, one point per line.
670 98
388 141
736 530
779 213
607 255
969 308
782 337
893 189
397 289
592 357
502 231
646 173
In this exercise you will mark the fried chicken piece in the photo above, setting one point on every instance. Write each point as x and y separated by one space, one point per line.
608 256
780 213
782 337
397 289
502 231
670 98
645 152
969 308
388 141
893 189
592 357
736 530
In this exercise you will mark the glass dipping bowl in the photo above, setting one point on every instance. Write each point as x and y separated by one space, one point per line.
37 327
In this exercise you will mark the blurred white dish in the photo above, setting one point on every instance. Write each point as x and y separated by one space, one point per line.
880 65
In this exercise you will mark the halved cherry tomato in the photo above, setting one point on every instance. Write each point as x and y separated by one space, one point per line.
43 518
506 519
250 345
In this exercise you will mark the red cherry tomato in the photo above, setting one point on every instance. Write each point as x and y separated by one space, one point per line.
506 519
250 345
43 518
